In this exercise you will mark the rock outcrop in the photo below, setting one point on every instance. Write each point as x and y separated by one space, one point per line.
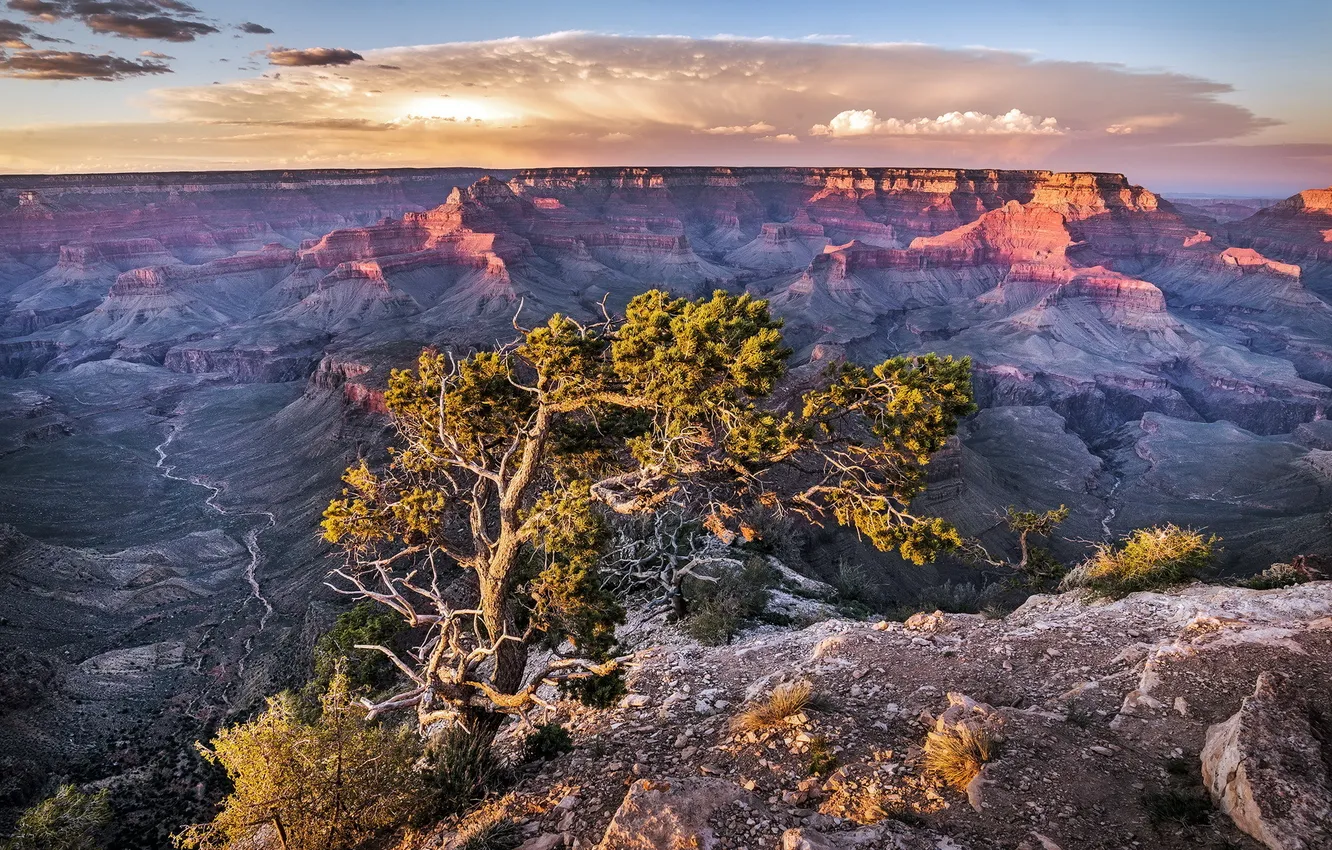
1268 766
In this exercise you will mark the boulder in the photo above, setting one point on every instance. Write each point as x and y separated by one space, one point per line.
669 814
1267 769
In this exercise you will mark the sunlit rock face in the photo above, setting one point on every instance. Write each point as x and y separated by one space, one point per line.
187 362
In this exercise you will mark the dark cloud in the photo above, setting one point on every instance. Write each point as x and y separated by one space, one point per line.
15 36
254 29
69 65
312 56
157 27
163 20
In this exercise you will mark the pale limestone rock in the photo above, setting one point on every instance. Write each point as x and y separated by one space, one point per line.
1264 768
669 814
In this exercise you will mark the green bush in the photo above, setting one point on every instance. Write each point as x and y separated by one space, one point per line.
366 670
718 608
596 691
822 759
1148 559
547 741
67 820
463 770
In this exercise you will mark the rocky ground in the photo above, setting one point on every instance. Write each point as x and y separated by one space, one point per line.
1116 718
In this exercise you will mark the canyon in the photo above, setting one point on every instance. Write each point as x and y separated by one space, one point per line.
188 362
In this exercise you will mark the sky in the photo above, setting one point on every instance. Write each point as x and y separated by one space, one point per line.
1200 96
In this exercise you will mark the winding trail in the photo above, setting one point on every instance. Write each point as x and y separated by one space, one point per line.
251 538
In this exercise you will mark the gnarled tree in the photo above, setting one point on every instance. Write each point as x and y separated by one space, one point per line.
515 463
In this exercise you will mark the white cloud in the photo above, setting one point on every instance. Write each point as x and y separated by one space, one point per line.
781 139
866 122
738 130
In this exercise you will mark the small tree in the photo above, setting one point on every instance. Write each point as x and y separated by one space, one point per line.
513 463
67 820
1035 564
329 784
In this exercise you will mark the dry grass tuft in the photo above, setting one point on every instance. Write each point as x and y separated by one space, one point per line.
786 700
956 755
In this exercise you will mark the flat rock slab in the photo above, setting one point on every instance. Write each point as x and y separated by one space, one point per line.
669 814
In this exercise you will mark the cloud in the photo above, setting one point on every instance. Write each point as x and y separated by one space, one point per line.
756 129
65 65
865 122
312 56
153 54
162 20
552 99
15 36
254 29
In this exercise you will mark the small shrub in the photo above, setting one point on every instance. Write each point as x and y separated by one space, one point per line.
822 760
67 820
786 700
1186 807
1078 715
496 833
718 608
1148 559
463 770
853 582
548 741
957 755
901 812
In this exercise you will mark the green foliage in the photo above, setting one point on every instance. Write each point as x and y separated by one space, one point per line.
463 770
822 759
547 741
67 820
1148 559
718 608
698 357
364 624
907 408
601 691
1039 523
567 599
331 784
